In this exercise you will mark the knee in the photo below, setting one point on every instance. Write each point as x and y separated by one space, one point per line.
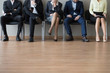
20 18
58 18
24 9
55 14
66 21
102 19
82 21
98 19
30 18
2 18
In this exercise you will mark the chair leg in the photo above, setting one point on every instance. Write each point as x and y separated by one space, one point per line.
63 32
86 25
1 34
106 31
22 33
43 30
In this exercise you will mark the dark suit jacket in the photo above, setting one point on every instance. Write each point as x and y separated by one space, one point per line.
9 8
39 7
68 9
57 9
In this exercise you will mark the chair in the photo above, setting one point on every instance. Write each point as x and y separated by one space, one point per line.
88 21
13 23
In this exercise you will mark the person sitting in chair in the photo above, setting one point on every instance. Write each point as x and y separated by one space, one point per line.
12 12
33 13
98 11
54 15
73 12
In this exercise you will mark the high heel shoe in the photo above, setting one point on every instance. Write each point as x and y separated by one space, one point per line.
49 33
104 39
55 40
97 39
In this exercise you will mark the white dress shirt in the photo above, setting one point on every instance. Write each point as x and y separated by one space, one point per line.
12 2
34 9
74 7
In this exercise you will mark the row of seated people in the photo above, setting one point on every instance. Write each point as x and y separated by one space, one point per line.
32 11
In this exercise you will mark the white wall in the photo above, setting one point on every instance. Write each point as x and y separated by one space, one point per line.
76 28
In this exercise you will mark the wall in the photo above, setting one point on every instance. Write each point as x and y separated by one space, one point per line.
76 28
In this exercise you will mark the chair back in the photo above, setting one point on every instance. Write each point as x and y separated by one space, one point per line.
87 15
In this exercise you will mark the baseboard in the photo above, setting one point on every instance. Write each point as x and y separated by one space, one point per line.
60 37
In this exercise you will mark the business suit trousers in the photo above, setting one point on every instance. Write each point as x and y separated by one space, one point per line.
32 22
81 20
31 18
9 18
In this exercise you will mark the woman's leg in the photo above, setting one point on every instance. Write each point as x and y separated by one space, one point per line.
97 25
104 29
56 28
55 15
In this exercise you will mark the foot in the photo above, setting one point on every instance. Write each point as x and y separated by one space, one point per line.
104 39
18 38
84 39
97 39
55 39
31 40
6 38
49 33
69 38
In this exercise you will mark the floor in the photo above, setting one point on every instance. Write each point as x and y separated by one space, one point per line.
54 57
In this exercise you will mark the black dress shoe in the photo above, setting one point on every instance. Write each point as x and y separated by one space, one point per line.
31 40
85 39
70 39
6 38
49 33
55 40
18 38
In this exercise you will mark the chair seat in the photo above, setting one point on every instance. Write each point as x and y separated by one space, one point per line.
61 22
12 23
89 22
28 23
75 23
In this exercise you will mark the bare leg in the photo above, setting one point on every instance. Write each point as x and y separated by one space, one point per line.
55 15
97 25
56 28
104 29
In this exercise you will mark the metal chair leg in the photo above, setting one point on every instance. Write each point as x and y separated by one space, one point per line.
106 31
22 33
63 32
43 30
1 34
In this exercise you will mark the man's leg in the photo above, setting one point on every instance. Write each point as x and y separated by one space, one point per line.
83 29
4 20
67 22
20 25
32 27
28 12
